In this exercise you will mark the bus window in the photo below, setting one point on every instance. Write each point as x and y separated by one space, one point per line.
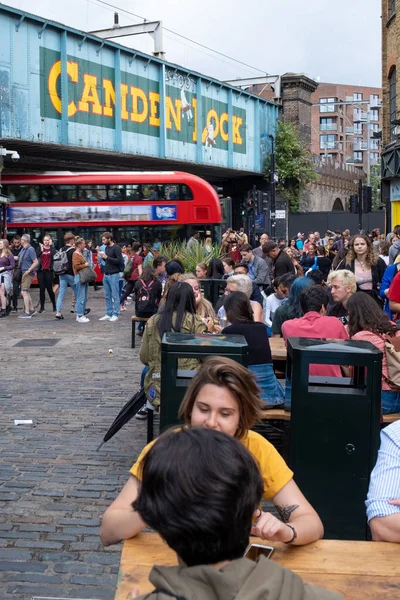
152 192
23 193
94 193
58 193
171 192
116 192
186 192
133 192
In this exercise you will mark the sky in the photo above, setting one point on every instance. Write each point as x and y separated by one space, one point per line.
336 42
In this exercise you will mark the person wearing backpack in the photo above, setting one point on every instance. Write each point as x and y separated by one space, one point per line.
62 266
148 292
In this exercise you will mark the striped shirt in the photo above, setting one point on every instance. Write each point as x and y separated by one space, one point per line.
385 478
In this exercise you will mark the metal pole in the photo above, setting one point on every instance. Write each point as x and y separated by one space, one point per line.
4 207
368 146
273 187
360 203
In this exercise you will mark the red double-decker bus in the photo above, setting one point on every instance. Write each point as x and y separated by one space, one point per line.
145 206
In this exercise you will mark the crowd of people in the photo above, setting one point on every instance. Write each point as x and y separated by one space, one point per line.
339 286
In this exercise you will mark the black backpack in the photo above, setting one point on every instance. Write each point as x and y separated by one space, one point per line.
144 303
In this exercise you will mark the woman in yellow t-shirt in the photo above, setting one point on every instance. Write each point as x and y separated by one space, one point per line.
224 396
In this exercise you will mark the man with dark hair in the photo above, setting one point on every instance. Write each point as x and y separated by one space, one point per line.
315 324
15 249
258 268
203 508
159 268
193 241
281 261
114 264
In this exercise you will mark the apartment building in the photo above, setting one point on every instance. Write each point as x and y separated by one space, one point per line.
345 124
391 113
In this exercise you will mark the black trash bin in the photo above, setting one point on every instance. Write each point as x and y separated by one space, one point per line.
186 345
334 430
213 289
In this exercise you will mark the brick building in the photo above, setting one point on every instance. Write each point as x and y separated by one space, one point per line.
345 132
390 113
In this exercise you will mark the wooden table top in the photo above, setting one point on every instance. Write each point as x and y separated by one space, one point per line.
278 348
367 570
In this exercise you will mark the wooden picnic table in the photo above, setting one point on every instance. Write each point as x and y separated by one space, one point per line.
278 348
367 570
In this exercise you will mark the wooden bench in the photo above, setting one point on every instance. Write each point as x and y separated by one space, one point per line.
134 321
279 414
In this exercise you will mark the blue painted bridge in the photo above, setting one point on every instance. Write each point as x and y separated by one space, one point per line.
101 103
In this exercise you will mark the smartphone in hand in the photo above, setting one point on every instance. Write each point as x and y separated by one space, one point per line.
254 551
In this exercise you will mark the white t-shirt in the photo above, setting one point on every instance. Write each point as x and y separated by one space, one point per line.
270 305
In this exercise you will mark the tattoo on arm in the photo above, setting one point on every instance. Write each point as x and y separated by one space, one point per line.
286 511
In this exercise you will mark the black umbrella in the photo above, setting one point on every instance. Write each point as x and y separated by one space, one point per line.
127 412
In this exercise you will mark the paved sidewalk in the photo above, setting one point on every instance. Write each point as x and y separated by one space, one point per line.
54 486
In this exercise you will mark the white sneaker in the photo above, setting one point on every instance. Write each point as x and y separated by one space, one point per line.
113 318
82 319
105 318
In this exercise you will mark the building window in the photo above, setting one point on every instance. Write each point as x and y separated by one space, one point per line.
374 97
374 144
374 127
358 157
374 116
327 108
357 97
358 129
328 124
374 158
327 142
392 100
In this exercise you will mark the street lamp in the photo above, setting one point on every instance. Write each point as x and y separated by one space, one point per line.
4 201
272 180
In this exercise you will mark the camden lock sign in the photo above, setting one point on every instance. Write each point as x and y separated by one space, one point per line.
92 94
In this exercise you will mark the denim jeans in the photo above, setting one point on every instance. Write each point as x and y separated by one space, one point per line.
271 390
65 282
111 294
390 402
81 296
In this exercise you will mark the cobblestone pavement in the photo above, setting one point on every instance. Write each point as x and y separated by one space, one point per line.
54 486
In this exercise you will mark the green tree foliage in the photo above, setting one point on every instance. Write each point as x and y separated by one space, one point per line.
293 163
375 180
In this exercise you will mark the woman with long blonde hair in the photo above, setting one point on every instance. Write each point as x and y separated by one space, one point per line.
7 265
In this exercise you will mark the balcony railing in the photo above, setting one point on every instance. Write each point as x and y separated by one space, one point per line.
360 146
328 145
328 126
375 103
358 161
360 115
349 130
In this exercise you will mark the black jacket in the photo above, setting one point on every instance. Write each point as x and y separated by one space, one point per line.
114 260
52 253
283 264
377 272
